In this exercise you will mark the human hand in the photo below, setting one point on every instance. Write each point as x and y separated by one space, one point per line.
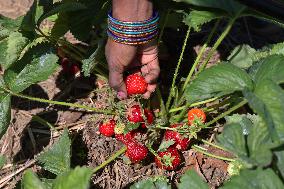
121 57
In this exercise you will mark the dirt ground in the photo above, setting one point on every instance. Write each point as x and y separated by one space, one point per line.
14 8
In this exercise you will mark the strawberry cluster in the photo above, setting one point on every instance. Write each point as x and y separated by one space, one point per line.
170 158
176 136
136 151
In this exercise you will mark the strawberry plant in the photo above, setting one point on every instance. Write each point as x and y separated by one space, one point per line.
159 129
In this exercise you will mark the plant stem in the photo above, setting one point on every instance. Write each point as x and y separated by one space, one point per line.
159 94
200 54
211 144
162 103
177 69
163 26
112 158
43 122
197 148
167 128
108 112
226 113
220 39
192 105
152 150
183 112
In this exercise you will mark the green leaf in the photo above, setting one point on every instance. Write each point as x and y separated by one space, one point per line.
271 68
62 7
130 127
36 65
165 144
232 138
241 119
31 181
61 26
57 158
8 25
192 180
259 107
47 182
81 22
196 19
33 43
14 45
230 6
244 56
96 58
152 183
218 80
272 95
78 178
259 144
143 184
280 160
241 56
260 179
5 109
30 19
3 160
248 138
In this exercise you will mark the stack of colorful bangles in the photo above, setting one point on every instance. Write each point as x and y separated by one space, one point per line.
133 33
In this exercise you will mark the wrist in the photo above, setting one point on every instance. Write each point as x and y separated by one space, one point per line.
132 10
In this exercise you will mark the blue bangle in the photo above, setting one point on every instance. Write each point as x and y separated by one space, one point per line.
150 21
133 33
132 39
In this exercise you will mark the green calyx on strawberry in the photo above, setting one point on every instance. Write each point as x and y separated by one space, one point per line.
169 159
181 142
107 129
136 152
119 128
135 84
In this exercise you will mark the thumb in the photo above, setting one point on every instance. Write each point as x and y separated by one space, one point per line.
117 83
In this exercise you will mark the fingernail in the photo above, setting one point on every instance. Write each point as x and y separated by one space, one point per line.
121 95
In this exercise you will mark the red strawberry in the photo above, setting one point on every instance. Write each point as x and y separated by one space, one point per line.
150 117
136 151
135 84
180 141
127 137
69 67
196 115
170 158
107 129
120 137
134 114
